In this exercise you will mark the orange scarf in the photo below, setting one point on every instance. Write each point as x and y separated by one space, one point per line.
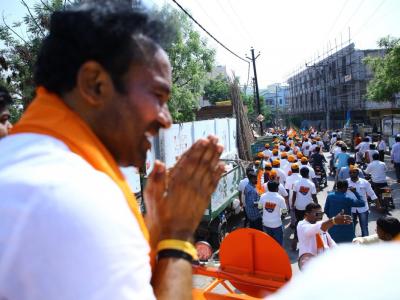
49 115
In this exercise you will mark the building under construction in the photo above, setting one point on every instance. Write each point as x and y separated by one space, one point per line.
331 90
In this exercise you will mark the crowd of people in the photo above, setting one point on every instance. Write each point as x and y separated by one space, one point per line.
282 182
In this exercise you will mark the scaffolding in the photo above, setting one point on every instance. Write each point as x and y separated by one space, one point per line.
331 86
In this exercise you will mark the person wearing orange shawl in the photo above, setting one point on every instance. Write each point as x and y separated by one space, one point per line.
313 233
70 225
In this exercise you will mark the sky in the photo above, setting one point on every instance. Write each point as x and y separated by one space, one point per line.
286 33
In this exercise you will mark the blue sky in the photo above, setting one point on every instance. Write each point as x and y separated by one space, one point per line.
286 32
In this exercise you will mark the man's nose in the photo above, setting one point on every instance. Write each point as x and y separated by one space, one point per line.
9 125
164 117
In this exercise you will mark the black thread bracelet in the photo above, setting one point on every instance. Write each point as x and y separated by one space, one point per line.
174 253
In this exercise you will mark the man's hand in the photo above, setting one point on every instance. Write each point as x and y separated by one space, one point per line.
342 219
352 188
176 201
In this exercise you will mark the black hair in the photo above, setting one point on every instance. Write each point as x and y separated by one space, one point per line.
311 206
5 98
390 225
351 161
272 186
397 139
304 172
372 146
111 33
343 148
375 156
317 149
342 185
251 174
249 168
365 139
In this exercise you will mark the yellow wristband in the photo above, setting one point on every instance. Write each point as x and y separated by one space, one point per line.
183 246
333 221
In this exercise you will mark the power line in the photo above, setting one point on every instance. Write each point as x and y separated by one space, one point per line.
353 14
337 18
232 20
206 31
240 21
369 18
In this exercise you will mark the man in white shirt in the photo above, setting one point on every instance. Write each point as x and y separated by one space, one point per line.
304 164
267 152
284 161
306 147
289 185
313 234
363 188
281 175
70 227
377 169
304 193
395 157
381 148
361 148
273 206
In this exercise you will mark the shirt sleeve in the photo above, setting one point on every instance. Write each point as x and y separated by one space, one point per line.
311 229
370 191
282 190
313 189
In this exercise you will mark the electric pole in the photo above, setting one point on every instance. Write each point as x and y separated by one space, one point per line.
253 59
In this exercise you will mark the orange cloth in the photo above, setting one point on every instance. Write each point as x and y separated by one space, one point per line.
259 187
49 115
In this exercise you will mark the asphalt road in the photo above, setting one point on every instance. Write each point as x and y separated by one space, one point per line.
201 281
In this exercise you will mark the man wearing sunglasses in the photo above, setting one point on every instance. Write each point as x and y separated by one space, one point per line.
313 232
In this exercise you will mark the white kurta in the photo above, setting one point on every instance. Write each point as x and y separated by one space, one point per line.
66 230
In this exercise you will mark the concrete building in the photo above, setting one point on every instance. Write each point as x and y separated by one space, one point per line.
276 96
333 90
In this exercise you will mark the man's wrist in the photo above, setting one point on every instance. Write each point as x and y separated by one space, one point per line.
333 221
177 235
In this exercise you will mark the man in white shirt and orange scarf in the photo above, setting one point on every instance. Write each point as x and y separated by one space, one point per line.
313 233
70 227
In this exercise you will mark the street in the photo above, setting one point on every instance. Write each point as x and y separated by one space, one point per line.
201 281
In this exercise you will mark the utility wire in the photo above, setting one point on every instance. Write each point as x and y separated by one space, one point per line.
363 26
337 18
354 13
206 31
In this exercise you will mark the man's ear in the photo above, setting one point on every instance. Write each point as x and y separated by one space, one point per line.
94 83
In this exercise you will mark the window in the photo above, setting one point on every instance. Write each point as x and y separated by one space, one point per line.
344 65
280 101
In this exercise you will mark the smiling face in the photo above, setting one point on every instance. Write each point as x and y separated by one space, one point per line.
127 120
5 125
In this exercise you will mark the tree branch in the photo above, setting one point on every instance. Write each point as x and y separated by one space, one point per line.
33 18
12 30
45 5
185 83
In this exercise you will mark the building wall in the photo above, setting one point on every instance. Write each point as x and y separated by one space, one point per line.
336 84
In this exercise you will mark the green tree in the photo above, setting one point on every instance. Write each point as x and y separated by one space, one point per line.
386 81
191 60
252 110
217 89
190 57
18 56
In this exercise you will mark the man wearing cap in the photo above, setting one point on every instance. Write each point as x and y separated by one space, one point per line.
291 160
284 160
267 152
304 192
273 205
275 155
304 164
281 175
289 185
273 176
